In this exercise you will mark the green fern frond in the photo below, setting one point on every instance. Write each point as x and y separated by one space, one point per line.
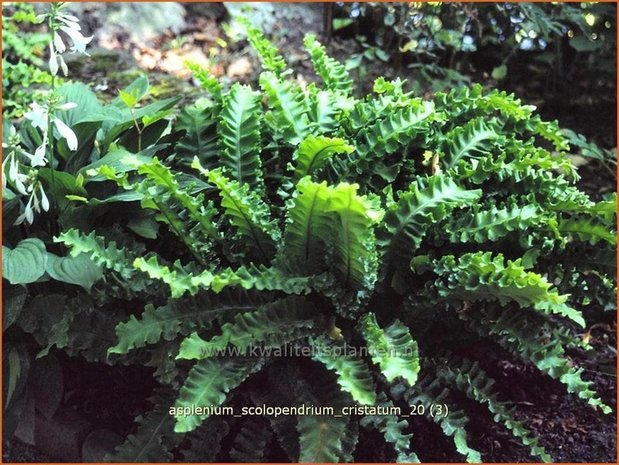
289 112
314 151
428 392
245 211
239 135
269 55
199 135
261 278
207 81
512 330
108 255
484 224
180 317
392 429
479 276
307 224
333 73
205 442
320 438
207 385
588 230
353 236
473 137
250 445
475 383
407 221
154 439
272 325
353 374
393 349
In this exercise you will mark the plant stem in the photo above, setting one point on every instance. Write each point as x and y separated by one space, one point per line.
138 129
50 127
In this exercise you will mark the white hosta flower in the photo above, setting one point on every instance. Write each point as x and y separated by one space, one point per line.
53 61
37 116
37 202
44 199
27 215
39 158
67 133
58 44
79 41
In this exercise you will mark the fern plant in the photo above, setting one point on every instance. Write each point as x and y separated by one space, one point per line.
312 222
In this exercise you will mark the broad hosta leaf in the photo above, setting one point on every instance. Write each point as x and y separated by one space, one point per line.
25 263
80 270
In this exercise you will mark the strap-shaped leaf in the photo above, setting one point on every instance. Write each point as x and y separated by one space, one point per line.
334 74
250 445
352 372
307 223
314 151
207 385
407 221
475 383
393 349
353 236
107 255
588 230
473 136
488 224
430 391
289 114
200 135
272 325
179 317
512 330
479 276
196 209
392 429
320 438
251 277
154 439
269 55
246 211
239 135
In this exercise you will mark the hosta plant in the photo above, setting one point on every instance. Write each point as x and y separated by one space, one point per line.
323 249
